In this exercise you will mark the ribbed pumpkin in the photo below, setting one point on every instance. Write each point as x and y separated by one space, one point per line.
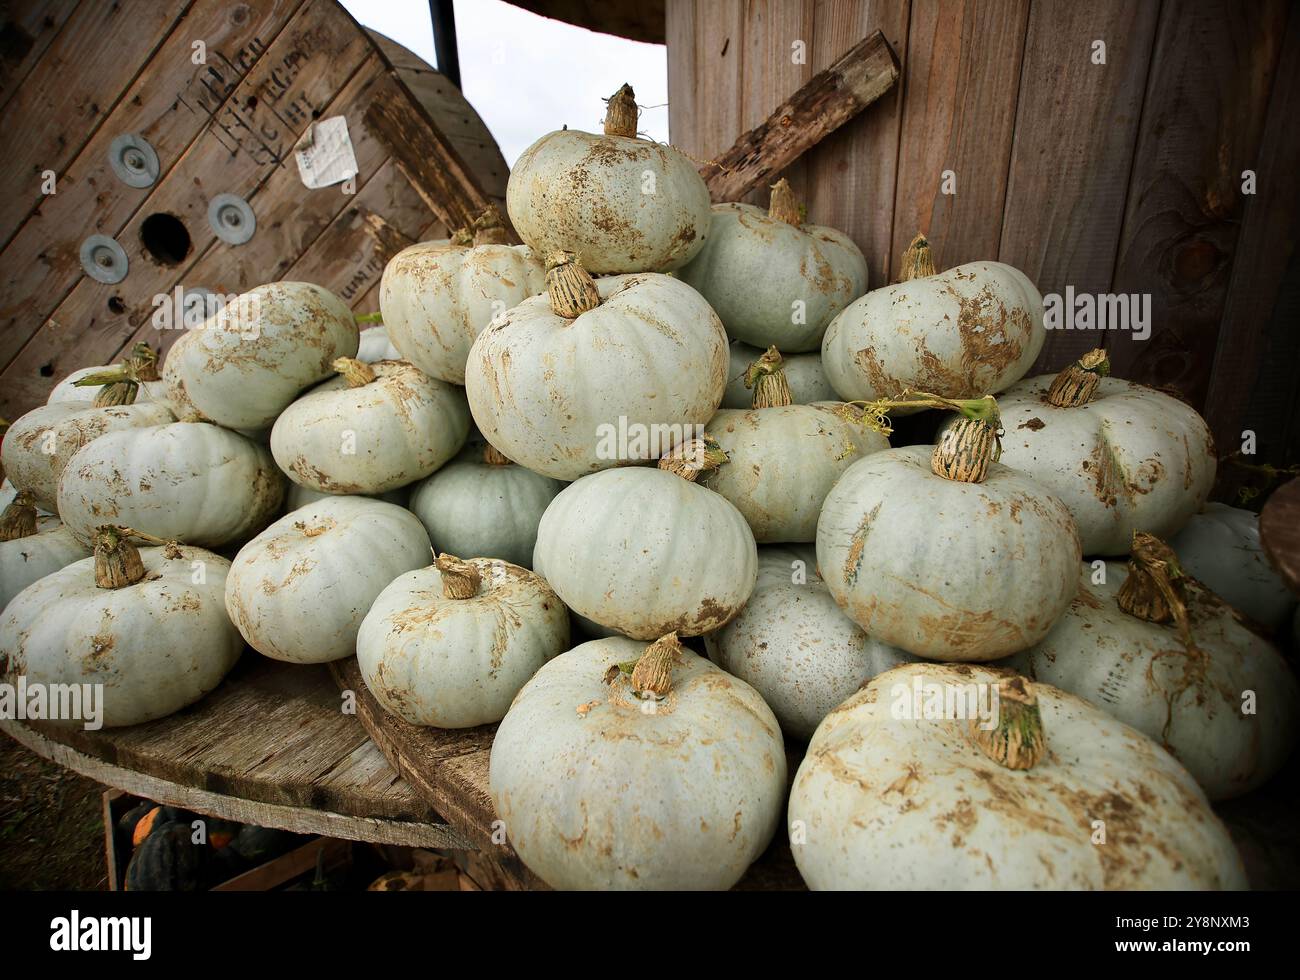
375 427
436 297
620 203
299 590
803 373
1050 792
795 646
451 645
774 280
32 546
1121 456
945 552
627 766
245 365
648 552
784 458
186 481
1162 653
964 333
556 381
483 504
148 624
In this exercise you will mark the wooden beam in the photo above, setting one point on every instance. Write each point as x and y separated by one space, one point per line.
833 97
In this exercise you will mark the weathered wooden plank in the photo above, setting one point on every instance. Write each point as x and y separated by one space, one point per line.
1076 127
41 265
719 50
1208 90
962 77
679 18
28 28
77 82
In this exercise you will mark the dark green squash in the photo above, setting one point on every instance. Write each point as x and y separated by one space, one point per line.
168 860
259 844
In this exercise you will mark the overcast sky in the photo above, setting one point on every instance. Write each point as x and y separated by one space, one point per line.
527 75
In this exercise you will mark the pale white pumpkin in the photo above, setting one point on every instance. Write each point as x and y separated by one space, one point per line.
1226 709
299 590
944 568
32 545
156 642
773 280
803 372
964 333
1220 546
67 390
185 481
894 793
620 203
602 385
374 428
602 787
483 504
39 445
645 552
451 645
792 643
374 345
246 363
1128 459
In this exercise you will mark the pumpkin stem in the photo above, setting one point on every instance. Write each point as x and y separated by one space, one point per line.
1076 385
462 237
1017 740
117 560
19 518
1156 587
918 260
965 449
490 227
652 677
621 113
357 373
376 317
460 579
767 377
494 456
784 206
570 287
120 384
691 457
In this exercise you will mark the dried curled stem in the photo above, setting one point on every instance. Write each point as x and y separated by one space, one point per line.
1078 382
690 458
766 376
460 579
621 113
571 289
1016 740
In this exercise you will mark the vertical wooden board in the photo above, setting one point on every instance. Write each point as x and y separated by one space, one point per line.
42 263
251 135
719 51
1076 126
75 85
962 76
1254 381
852 174
679 18
27 29
1207 94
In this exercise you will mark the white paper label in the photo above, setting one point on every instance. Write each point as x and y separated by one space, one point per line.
325 154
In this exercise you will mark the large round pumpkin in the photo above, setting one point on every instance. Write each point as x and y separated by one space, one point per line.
622 204
594 375
299 590
451 645
803 373
148 625
375 427
244 365
923 781
774 280
672 777
964 333
944 552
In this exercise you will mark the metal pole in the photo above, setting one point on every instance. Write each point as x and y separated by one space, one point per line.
444 39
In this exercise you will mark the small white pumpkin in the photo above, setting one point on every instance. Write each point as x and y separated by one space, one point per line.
1218 697
299 590
1221 547
133 381
964 333
374 345
593 374
39 445
185 481
773 280
483 504
1121 456
436 297
898 793
944 552
647 552
374 428
32 546
141 623
451 645
622 204
784 458
803 372
246 363
796 648
670 778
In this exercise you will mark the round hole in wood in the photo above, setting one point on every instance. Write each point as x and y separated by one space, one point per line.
116 305
165 238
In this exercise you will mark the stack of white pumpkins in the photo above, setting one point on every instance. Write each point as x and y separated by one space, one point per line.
835 583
